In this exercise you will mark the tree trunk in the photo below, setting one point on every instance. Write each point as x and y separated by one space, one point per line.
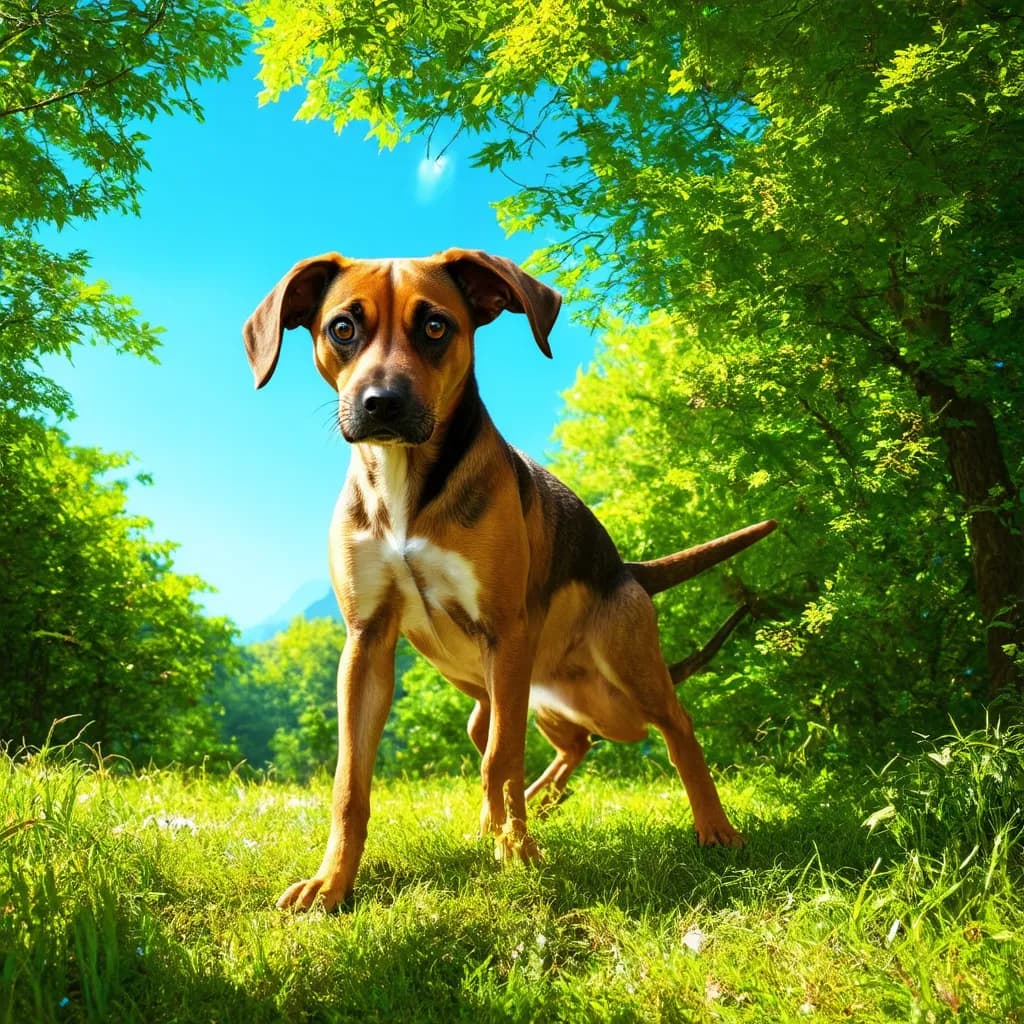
977 466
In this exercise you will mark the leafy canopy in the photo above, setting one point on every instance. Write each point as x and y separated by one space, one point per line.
77 83
823 201
93 621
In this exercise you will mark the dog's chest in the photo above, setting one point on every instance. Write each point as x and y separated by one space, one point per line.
427 579
390 561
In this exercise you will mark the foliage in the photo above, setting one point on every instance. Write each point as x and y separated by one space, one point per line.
282 710
858 624
826 197
964 796
76 86
47 307
126 896
426 732
95 622
78 83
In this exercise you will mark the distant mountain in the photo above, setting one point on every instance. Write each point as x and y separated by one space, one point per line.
313 600
324 608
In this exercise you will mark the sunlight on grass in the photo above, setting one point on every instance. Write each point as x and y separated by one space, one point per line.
150 897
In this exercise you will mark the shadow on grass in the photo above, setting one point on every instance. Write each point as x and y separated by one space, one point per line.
643 867
438 932
808 837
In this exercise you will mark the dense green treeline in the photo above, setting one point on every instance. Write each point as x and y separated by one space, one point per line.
94 622
798 233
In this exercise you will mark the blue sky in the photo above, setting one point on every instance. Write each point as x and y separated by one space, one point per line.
245 481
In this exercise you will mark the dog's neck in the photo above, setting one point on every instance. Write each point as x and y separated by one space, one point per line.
460 430
407 478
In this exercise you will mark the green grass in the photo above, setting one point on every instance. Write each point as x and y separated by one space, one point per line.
150 898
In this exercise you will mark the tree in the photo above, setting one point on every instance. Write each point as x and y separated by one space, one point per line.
296 672
282 709
94 621
840 181
76 85
859 633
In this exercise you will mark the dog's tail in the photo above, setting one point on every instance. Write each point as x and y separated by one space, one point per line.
698 662
663 573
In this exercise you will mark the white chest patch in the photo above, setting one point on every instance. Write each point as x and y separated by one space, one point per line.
429 579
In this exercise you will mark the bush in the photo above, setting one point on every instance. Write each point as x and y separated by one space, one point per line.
963 795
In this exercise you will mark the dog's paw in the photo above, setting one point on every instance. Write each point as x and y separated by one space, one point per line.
514 845
312 892
551 799
719 834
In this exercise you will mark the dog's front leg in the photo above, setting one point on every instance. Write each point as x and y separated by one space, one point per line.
366 683
508 662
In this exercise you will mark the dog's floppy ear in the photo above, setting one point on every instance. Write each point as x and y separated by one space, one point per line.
293 303
493 283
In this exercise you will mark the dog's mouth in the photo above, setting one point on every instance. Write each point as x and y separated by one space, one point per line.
411 431
388 438
386 412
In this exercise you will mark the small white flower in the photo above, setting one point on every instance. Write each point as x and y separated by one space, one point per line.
250 844
173 823
807 1007
542 941
694 939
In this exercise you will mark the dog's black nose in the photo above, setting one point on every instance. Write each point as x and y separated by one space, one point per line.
383 404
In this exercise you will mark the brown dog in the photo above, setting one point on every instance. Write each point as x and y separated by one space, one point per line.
493 569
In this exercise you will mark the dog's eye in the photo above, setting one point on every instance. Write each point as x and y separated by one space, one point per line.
342 330
435 328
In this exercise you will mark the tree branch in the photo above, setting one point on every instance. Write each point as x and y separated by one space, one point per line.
90 86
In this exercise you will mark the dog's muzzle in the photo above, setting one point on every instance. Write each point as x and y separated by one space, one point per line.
385 413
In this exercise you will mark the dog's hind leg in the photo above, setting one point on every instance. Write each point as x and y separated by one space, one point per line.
624 642
571 743
479 723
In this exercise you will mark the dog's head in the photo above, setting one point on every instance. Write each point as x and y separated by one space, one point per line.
394 338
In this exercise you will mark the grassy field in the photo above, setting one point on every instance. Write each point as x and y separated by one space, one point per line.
149 897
